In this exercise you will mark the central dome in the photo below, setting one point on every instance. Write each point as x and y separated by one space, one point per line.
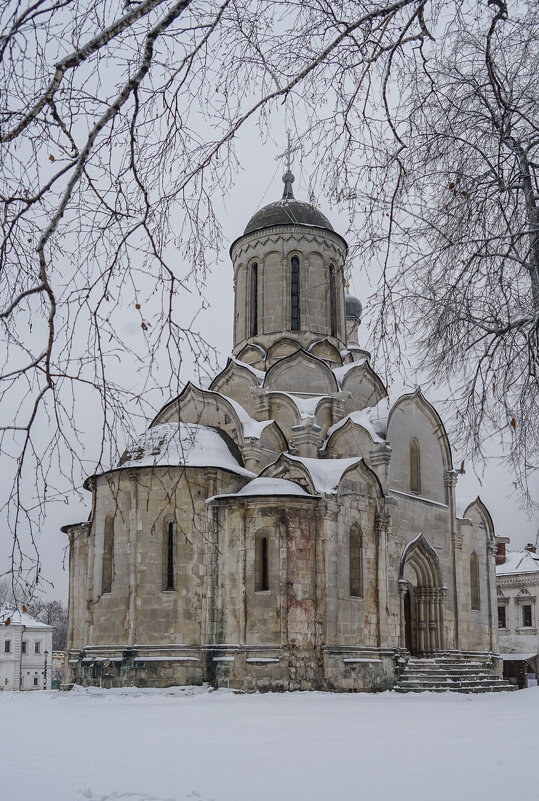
287 211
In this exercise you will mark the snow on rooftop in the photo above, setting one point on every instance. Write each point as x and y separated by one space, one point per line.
326 473
259 374
251 427
341 372
187 444
18 618
266 486
306 405
519 562
368 418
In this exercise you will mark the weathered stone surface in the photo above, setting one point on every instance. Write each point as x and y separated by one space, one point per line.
249 585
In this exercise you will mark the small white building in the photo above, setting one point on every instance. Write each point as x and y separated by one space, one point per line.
517 583
25 651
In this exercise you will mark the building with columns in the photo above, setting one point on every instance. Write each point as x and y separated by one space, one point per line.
290 526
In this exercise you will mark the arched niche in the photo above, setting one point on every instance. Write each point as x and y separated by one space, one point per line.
252 354
350 439
283 347
359 473
236 381
284 411
325 350
205 407
292 470
273 439
413 418
365 387
324 415
422 598
301 372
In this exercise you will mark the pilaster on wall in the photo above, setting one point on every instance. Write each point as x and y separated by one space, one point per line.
492 549
450 483
307 439
132 558
380 457
382 528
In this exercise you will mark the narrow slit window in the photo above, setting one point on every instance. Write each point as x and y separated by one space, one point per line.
474 582
262 564
169 548
332 301
254 301
356 589
294 293
502 620
108 555
415 467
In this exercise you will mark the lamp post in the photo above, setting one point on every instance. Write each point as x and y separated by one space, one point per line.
45 672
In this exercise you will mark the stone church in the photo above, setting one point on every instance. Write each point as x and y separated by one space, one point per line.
288 527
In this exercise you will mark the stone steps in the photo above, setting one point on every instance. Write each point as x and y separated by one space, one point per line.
450 674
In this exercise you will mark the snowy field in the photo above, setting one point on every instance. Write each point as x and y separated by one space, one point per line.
188 743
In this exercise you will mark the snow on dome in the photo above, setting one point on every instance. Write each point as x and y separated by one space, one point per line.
266 486
519 562
187 444
18 618
273 486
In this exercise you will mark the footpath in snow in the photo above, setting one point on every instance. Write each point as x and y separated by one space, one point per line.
191 743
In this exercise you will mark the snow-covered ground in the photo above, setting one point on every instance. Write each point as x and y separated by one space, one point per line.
188 743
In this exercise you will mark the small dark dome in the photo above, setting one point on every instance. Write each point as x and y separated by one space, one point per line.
354 309
287 211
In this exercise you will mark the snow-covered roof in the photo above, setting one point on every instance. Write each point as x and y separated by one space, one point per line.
251 427
519 562
368 418
187 444
340 372
326 473
508 657
306 405
18 618
258 374
266 486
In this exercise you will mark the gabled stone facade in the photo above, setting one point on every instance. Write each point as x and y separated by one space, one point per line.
290 527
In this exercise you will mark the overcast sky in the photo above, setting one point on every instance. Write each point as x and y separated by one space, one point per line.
259 183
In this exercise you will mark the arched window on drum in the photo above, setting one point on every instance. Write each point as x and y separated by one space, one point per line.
294 294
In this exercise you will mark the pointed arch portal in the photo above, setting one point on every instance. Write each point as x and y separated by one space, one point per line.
422 596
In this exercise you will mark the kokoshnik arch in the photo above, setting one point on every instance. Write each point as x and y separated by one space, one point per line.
289 527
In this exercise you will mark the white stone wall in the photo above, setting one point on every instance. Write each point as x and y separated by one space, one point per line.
22 670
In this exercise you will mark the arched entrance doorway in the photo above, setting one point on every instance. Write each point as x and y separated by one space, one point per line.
422 596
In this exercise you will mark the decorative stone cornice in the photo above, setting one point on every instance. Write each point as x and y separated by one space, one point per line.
518 580
258 240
